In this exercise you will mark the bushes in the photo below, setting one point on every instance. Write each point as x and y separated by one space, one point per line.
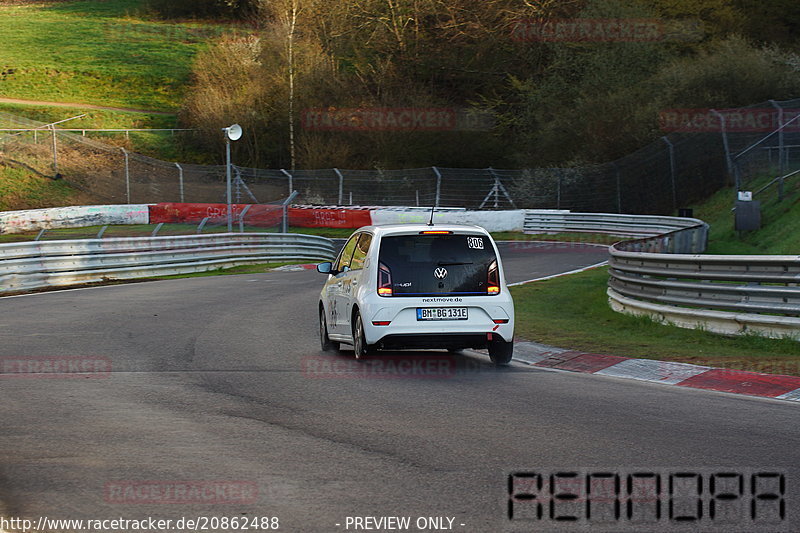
600 104
237 9
728 73
556 103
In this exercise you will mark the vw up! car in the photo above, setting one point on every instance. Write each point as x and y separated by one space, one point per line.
409 286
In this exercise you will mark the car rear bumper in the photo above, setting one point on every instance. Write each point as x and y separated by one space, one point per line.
393 321
436 340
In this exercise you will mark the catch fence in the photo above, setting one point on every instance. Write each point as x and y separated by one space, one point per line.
684 166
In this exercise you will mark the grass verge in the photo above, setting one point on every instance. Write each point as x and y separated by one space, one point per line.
779 231
22 189
93 52
573 312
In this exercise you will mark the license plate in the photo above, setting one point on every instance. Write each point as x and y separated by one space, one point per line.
441 313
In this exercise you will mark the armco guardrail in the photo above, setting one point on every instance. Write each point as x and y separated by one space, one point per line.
540 221
25 266
665 277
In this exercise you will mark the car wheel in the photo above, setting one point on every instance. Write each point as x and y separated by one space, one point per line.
500 352
360 346
325 342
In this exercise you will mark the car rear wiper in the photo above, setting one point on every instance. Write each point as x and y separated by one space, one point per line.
451 263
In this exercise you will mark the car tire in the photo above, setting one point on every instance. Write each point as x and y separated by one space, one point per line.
500 352
326 343
360 347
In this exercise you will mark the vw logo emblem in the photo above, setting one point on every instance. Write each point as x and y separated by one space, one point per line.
440 273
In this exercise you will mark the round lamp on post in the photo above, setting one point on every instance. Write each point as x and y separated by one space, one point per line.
232 133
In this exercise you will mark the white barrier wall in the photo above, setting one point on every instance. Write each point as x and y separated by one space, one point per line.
489 220
72 217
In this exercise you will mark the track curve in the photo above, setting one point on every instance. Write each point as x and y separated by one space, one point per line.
211 381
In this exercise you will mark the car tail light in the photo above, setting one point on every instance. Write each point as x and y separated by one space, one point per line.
493 280
436 232
381 322
384 280
500 320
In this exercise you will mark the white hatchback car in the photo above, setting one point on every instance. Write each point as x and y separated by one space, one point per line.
417 286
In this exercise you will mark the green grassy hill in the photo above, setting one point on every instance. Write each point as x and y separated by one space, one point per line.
103 53
780 233
23 189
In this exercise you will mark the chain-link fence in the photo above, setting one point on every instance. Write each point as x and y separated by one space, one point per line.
704 150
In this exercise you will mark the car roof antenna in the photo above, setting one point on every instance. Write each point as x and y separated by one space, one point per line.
430 222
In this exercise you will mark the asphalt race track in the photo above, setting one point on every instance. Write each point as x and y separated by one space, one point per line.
220 382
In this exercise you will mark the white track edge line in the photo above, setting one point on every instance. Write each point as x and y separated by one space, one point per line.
576 271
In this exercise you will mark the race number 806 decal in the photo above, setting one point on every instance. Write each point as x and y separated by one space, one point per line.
475 243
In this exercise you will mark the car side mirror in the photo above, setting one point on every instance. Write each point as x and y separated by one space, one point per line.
325 268
345 268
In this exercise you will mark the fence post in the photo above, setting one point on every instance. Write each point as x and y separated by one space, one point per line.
291 185
781 166
619 188
241 217
341 185
728 160
55 151
558 189
672 171
180 179
127 176
438 186
285 208
496 187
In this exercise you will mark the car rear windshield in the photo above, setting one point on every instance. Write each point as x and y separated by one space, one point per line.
455 264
